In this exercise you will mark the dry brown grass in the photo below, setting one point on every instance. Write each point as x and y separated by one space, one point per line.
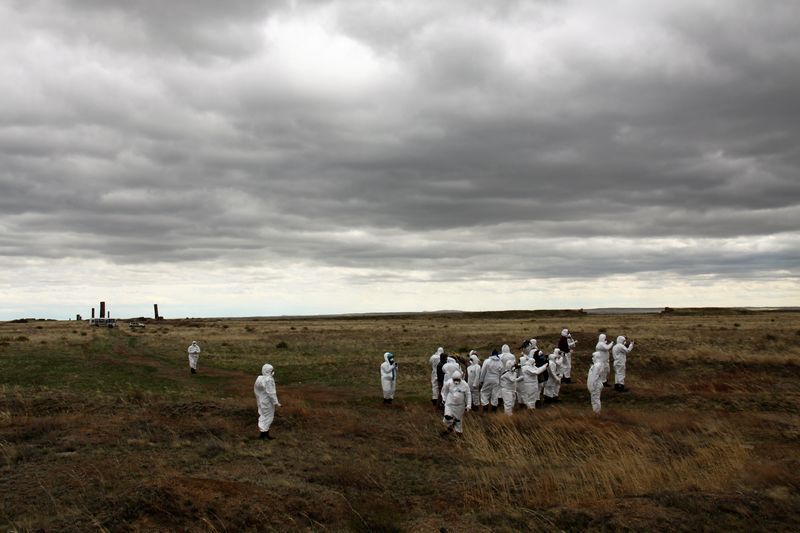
107 430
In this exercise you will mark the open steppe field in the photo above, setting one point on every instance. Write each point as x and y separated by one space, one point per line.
106 429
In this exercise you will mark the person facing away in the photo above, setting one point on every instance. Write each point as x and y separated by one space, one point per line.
457 400
508 386
266 399
448 368
603 347
490 381
194 355
474 378
594 381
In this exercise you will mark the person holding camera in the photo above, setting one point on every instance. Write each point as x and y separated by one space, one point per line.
620 353
566 344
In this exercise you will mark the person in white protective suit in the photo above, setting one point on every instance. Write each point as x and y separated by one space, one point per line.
448 368
266 399
594 382
434 360
555 371
603 347
566 344
508 386
620 352
388 377
490 381
194 355
474 378
457 400
529 388
506 355
520 395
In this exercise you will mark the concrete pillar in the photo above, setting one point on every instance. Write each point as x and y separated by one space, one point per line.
102 309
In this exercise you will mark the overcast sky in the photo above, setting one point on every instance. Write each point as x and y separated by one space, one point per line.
286 157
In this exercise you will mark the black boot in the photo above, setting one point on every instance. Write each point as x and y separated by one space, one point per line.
538 404
494 408
434 403
389 401
385 401
605 384
566 380
267 436
617 387
193 370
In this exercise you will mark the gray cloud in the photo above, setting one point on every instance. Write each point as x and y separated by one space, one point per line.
435 138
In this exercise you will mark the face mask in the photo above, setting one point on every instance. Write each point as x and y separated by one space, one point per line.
456 381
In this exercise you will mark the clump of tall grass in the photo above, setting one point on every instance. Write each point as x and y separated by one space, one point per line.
566 461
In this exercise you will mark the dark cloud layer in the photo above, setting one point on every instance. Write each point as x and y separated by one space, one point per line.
553 139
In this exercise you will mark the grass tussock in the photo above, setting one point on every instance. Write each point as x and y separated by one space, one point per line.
581 459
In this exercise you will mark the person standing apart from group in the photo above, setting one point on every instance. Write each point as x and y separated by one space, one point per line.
388 377
266 399
194 355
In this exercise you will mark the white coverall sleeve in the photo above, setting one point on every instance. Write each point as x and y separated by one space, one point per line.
468 398
484 368
272 393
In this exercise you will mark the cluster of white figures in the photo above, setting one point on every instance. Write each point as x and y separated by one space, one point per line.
528 382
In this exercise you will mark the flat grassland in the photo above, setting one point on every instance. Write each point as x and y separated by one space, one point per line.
107 430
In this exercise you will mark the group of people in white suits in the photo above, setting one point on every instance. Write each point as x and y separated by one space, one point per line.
528 382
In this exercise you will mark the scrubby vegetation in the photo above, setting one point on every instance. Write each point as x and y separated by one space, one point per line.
107 429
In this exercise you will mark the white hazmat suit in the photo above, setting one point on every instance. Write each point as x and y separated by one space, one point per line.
594 381
388 377
506 355
603 347
566 344
529 388
449 368
490 380
434 383
508 387
266 399
194 355
555 371
457 399
474 378
620 353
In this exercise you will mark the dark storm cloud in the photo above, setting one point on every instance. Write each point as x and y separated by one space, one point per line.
537 139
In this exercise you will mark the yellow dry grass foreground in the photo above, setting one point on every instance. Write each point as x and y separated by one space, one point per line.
107 430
